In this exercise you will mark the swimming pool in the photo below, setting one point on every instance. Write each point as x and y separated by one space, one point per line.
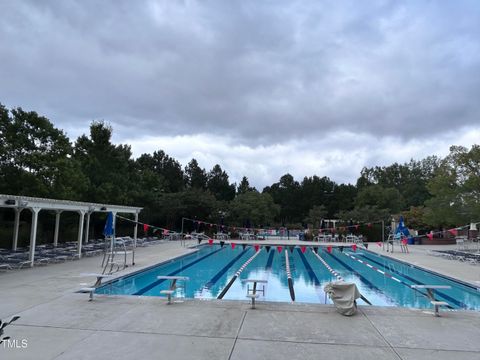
383 281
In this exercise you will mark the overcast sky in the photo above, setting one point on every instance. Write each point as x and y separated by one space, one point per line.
261 87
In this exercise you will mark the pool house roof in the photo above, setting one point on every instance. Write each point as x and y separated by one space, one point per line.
35 205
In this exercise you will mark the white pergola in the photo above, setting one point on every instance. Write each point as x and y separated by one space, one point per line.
35 205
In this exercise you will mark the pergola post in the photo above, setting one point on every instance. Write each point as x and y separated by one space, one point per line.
33 234
80 231
87 227
16 228
135 234
57 227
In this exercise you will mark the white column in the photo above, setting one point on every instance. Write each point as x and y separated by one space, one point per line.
57 227
15 228
33 235
80 231
87 227
135 234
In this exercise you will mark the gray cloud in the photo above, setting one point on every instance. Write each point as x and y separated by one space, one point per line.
260 72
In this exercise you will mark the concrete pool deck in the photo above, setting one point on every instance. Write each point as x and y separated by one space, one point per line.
58 323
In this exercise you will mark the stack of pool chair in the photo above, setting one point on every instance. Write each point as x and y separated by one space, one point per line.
463 256
93 248
10 259
152 240
18 259
48 254
141 242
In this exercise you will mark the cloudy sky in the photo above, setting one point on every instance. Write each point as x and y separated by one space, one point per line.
261 87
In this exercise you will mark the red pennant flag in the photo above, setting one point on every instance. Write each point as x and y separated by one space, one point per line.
357 226
430 235
354 247
145 228
329 249
379 244
404 241
369 225
210 241
232 245
279 248
165 232
303 249
257 247
454 232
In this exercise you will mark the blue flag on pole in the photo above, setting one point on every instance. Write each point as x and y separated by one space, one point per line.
109 230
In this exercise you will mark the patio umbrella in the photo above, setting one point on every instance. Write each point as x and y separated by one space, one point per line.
109 232
401 228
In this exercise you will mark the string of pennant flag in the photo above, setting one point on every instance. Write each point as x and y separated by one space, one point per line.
257 247
165 231
147 227
279 248
262 229
453 231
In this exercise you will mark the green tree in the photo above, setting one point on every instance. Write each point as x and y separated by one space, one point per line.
191 203
315 191
108 167
455 189
195 176
383 198
343 198
410 179
35 157
254 208
219 185
415 218
165 167
286 193
244 186
315 216
364 214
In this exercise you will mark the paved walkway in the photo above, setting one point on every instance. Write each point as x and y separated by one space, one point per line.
60 324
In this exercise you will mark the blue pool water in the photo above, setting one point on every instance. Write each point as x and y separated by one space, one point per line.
383 281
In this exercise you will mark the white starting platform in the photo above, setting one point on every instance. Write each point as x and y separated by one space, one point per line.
254 292
98 282
431 295
176 282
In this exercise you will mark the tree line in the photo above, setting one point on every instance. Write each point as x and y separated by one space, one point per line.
38 159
